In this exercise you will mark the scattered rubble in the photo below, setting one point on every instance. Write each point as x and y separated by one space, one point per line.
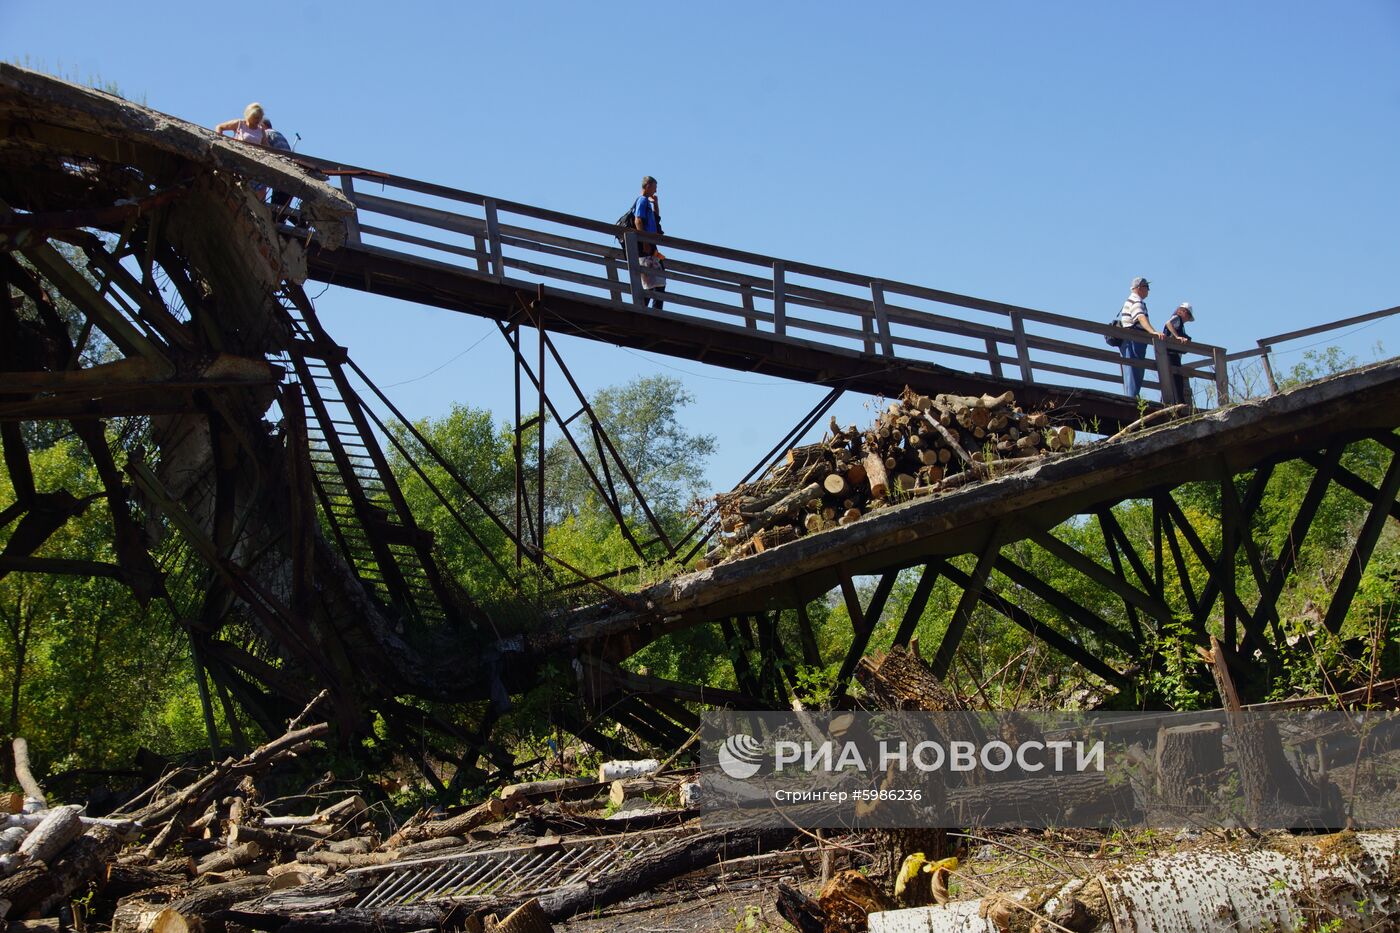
918 445
201 854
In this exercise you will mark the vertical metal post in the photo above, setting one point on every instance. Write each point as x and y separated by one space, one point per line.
779 301
1023 351
480 244
615 283
882 320
1222 376
210 728
1268 368
994 358
1164 371
1229 544
539 467
513 338
493 236
352 223
634 268
867 333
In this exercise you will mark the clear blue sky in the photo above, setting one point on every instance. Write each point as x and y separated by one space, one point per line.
1242 155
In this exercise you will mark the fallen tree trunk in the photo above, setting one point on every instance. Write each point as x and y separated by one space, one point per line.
235 857
339 812
572 788
50 837
39 889
271 840
1315 882
198 912
497 808
678 858
33 793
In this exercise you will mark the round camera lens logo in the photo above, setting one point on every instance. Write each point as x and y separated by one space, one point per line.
740 756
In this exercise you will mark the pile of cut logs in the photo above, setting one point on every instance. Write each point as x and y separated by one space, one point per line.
917 446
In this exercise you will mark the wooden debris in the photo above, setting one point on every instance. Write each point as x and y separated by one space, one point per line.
917 446
527 918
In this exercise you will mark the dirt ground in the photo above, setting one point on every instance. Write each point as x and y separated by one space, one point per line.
735 908
740 903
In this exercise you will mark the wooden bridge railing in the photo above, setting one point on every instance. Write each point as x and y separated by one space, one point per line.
1266 345
504 240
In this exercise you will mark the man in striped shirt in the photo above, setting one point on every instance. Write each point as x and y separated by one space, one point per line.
1134 315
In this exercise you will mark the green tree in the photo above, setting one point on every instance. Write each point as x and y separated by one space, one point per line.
89 675
643 420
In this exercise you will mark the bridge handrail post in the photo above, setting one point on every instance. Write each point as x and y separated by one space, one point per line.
779 300
634 267
493 236
352 223
1023 350
1268 367
1222 376
882 320
1164 370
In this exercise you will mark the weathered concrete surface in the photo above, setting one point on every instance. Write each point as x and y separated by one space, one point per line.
35 107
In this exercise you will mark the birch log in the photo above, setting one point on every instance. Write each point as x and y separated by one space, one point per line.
1284 883
49 838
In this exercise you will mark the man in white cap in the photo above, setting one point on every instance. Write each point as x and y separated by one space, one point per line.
1174 331
1134 316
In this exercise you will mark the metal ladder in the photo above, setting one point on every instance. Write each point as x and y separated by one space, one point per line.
359 497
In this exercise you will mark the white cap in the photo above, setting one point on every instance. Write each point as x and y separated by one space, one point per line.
1186 305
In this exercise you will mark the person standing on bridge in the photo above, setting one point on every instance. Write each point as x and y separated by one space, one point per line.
646 217
1134 315
249 129
1174 331
281 200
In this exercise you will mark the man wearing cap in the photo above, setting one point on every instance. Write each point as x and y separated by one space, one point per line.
646 216
1134 315
1174 331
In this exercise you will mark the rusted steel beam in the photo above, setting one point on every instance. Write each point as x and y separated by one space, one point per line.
117 405
1168 531
803 425
42 222
1111 545
614 506
1325 471
44 514
600 431
863 623
1365 543
1037 629
1212 589
73 286
943 658
738 656
1080 615
811 655
135 373
1352 483
58 565
915 610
